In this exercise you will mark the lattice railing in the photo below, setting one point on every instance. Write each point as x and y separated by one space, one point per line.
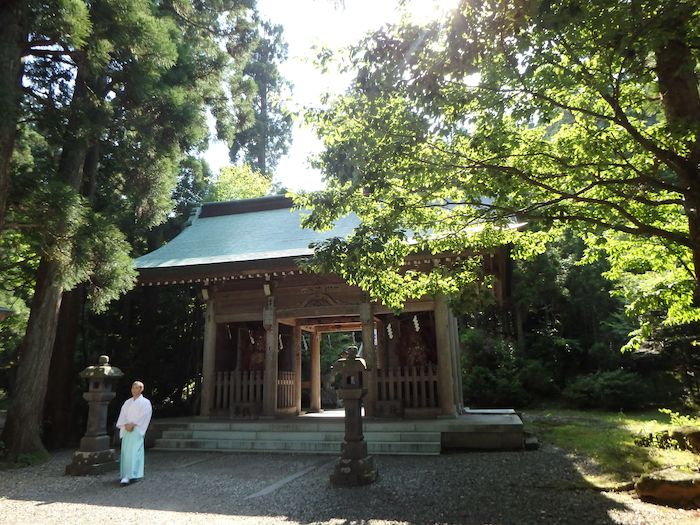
236 387
241 392
411 386
286 390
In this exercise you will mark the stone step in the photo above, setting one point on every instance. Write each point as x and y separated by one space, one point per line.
480 430
334 425
315 447
300 436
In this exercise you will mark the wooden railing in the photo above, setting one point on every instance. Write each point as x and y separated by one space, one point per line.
285 390
410 387
240 393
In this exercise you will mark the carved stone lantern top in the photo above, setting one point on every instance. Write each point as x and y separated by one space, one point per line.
101 374
350 369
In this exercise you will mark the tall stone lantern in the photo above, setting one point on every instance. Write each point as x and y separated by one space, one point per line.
94 455
354 467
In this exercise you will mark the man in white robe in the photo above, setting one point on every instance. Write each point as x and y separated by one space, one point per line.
133 421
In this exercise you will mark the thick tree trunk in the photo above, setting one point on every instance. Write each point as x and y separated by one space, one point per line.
22 434
59 411
13 37
678 84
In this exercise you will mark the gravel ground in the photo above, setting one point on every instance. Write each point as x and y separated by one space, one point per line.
518 488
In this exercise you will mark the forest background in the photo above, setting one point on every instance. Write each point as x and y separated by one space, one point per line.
565 116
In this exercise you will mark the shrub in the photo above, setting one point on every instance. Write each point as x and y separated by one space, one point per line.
614 390
537 379
500 387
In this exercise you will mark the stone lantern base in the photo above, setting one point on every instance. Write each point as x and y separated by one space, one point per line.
92 463
354 472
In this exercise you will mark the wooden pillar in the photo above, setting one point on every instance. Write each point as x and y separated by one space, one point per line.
208 361
444 357
239 346
271 355
315 401
369 353
456 360
381 345
297 368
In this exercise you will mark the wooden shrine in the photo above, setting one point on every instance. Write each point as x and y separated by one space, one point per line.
260 307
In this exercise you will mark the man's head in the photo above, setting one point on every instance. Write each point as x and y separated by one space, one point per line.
136 389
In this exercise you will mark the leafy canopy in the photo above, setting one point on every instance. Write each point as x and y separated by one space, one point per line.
506 112
238 182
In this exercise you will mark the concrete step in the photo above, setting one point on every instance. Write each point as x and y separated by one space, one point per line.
324 437
313 447
338 436
481 430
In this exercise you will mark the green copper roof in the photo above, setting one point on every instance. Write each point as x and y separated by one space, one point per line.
241 231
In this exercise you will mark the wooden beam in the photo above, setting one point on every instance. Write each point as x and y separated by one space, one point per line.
315 321
241 317
318 311
344 327
418 306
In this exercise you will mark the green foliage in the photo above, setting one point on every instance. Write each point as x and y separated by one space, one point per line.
489 371
505 112
680 420
493 388
238 182
654 279
612 390
537 379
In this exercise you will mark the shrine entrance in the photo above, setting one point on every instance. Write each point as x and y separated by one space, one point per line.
402 381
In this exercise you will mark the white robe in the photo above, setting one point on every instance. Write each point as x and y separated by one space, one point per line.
137 411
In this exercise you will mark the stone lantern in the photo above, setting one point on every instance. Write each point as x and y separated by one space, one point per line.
95 455
354 467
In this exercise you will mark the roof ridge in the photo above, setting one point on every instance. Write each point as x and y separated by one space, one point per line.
234 207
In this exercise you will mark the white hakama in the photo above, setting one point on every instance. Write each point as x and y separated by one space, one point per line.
138 412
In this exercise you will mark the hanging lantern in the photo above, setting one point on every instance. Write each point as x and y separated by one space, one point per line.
389 331
415 323
280 342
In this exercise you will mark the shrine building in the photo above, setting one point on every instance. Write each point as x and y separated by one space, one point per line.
261 308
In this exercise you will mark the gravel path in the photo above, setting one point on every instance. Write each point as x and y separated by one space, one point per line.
515 488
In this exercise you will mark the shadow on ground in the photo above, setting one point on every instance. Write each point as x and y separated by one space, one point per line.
460 488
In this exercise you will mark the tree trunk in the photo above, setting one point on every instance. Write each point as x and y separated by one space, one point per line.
262 147
59 411
13 37
678 84
22 434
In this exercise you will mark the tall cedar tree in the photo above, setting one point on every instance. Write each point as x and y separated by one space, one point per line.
142 79
263 143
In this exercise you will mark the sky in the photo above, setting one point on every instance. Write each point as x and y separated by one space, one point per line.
309 23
